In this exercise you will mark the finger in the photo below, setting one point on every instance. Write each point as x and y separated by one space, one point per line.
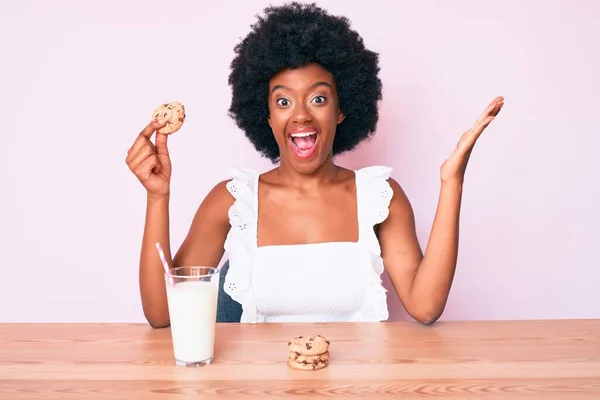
161 144
152 127
139 143
476 131
157 167
497 109
490 109
145 148
141 155
144 171
484 124
144 136
469 138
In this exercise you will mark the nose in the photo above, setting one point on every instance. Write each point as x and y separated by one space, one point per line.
301 114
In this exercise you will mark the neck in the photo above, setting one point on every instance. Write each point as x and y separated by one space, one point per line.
324 174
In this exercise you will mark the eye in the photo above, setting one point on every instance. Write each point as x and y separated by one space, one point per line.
283 102
319 99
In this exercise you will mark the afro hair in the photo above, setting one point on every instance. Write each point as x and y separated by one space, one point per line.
292 36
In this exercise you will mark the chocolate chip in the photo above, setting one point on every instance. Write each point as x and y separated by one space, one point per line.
327 341
308 346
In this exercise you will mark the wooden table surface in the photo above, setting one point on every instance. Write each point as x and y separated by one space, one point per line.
449 360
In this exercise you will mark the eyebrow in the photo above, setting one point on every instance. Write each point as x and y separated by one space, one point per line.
314 85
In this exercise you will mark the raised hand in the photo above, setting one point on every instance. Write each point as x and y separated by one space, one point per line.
453 169
150 162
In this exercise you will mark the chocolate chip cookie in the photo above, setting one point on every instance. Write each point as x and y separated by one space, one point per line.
294 356
308 366
173 113
309 345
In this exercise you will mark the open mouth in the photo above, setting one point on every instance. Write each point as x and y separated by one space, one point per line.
304 143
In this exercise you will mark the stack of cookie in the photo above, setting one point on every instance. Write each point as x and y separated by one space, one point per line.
308 353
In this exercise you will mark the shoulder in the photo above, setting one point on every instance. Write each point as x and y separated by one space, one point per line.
220 193
398 192
400 208
224 194
374 172
215 206
379 179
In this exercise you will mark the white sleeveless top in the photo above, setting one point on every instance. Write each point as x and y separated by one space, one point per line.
321 282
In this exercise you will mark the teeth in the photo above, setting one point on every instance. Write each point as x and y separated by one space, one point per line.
303 134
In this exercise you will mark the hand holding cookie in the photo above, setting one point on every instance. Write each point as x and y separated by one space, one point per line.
150 162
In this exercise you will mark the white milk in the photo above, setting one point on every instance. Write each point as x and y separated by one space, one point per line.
193 312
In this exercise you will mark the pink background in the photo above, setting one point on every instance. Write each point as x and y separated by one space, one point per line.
78 80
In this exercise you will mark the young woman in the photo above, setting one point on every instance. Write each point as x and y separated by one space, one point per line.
308 240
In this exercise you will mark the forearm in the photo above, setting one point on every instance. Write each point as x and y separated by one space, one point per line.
434 276
151 273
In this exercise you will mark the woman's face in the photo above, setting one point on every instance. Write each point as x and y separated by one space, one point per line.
303 114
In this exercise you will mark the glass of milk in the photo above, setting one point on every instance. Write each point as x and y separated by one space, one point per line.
192 299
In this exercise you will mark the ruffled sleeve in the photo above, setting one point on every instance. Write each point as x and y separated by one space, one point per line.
240 243
374 195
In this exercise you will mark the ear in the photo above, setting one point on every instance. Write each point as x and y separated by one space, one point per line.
269 120
340 117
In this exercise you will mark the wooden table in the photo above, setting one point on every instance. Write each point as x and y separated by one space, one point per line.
449 360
